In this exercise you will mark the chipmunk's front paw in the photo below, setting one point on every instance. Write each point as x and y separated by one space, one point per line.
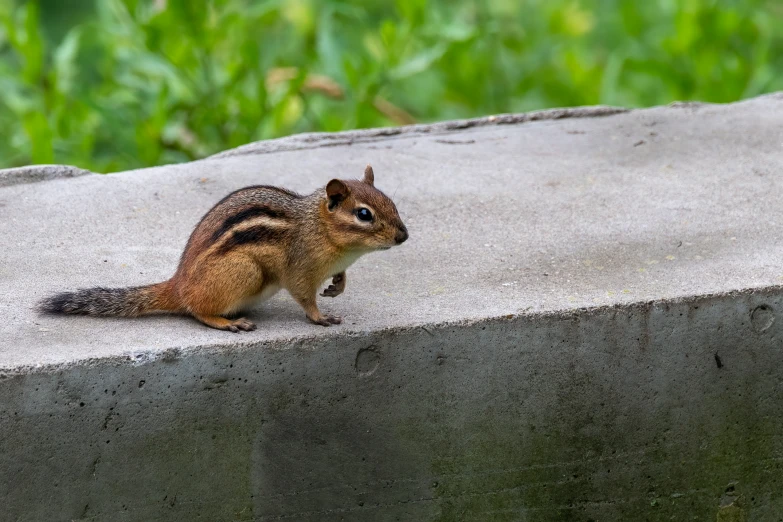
336 288
331 291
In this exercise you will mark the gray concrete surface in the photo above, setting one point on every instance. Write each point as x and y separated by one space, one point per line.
582 326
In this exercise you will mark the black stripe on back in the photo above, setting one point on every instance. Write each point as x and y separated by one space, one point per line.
256 234
244 215
281 190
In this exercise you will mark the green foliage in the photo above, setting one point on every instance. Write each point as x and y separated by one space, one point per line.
134 83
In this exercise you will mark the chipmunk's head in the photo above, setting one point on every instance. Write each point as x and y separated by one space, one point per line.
360 216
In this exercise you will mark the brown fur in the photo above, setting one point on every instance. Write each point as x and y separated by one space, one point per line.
252 242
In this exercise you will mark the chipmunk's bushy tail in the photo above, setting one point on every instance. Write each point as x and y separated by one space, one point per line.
122 302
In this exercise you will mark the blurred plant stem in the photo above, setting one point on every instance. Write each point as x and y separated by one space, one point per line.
327 86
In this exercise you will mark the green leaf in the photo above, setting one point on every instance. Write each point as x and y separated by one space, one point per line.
64 60
420 62
31 44
610 78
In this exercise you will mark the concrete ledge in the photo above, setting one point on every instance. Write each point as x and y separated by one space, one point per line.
331 139
583 325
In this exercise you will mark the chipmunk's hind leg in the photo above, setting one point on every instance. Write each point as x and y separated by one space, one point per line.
213 292
221 323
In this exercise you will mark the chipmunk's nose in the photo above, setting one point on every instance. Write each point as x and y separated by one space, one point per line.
402 235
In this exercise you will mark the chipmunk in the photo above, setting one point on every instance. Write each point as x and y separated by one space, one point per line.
251 244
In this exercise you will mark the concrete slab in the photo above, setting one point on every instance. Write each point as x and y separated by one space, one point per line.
582 324
545 216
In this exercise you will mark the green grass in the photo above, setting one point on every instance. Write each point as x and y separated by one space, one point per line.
121 84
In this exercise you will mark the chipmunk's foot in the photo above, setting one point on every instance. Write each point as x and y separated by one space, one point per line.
307 301
328 320
242 324
331 291
221 323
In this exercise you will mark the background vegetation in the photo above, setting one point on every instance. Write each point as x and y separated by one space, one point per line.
119 84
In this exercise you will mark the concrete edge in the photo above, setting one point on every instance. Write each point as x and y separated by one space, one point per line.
141 358
37 173
329 139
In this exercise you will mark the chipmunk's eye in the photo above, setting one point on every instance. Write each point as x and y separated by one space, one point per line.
363 214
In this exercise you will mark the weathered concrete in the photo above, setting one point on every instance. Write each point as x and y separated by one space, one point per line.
583 326
35 173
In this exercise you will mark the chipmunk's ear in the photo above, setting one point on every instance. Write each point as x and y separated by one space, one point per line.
369 176
336 191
